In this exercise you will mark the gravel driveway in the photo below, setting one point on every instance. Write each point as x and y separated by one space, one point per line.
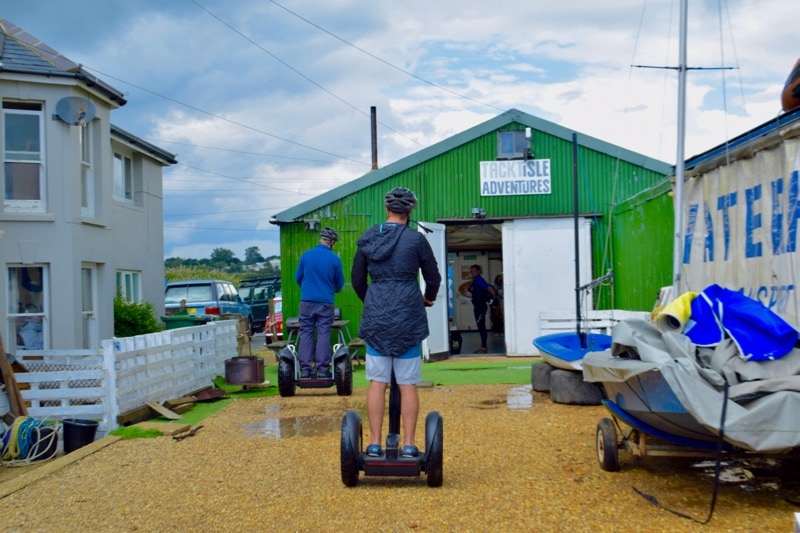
514 461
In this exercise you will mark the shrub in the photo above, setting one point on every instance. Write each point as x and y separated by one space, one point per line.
134 318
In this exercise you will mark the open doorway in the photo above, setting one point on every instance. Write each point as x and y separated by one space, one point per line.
479 243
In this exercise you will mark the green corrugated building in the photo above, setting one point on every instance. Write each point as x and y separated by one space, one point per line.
500 195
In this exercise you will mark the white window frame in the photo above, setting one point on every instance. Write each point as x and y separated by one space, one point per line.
30 205
520 144
123 178
129 285
18 312
87 170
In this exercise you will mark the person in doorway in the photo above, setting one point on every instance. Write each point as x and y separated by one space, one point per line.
480 292
394 322
320 275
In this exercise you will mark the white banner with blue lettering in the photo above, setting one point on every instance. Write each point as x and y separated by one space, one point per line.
507 178
741 228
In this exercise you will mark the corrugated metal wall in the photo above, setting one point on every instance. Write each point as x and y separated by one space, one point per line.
448 187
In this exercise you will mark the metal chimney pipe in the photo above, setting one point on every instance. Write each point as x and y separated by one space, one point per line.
374 129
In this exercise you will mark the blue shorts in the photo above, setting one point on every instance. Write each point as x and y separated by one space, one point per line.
407 366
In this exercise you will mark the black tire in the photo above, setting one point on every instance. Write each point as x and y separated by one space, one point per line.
286 382
350 448
343 375
434 449
607 448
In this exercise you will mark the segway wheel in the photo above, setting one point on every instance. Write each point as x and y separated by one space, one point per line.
434 449
350 448
607 448
286 383
343 374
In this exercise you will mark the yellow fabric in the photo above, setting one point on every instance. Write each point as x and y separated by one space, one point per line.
675 314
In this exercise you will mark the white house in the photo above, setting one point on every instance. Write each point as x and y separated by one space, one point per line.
81 213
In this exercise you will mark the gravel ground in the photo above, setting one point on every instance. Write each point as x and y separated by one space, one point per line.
514 461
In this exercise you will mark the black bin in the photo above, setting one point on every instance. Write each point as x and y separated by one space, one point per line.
78 433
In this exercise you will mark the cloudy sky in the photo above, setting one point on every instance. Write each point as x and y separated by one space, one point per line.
267 103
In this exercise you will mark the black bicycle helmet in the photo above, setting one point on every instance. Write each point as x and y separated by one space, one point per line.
329 234
400 200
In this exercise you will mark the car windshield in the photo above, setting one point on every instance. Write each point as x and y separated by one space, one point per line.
190 293
244 294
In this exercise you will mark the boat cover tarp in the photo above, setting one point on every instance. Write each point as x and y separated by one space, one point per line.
759 333
763 396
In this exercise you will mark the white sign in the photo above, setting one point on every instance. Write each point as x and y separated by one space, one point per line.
741 228
509 178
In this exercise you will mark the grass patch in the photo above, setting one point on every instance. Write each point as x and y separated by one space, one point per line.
133 432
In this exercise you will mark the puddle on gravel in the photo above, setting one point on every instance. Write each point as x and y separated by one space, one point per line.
275 427
517 398
300 426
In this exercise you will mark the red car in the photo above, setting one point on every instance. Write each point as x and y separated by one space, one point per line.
273 327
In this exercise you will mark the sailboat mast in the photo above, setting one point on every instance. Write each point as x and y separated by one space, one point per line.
576 208
677 257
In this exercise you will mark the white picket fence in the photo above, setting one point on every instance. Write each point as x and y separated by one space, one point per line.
125 374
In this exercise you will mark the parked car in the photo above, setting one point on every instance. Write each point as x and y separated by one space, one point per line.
257 292
205 298
276 318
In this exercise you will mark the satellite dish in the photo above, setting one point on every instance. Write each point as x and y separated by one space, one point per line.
75 111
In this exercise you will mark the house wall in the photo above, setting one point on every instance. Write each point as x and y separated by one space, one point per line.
448 188
65 240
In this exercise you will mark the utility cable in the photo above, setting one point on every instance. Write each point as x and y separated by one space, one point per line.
287 65
387 63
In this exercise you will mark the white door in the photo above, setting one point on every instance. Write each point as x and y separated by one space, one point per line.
539 274
88 306
439 340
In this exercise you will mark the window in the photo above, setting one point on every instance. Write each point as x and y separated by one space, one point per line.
88 305
129 285
87 174
27 307
123 178
23 157
512 144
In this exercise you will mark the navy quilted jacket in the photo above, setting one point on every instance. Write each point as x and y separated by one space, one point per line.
394 317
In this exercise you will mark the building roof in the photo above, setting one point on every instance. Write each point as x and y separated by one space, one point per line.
511 116
156 152
752 139
22 53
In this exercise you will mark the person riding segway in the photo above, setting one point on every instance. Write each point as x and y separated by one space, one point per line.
308 364
393 325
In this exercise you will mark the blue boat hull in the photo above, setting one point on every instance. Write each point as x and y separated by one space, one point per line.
649 399
565 350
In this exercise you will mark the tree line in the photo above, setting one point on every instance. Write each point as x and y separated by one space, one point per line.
223 264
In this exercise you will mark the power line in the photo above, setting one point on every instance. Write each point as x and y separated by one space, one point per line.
287 65
220 117
385 62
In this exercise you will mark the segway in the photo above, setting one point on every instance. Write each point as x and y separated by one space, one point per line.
289 372
390 463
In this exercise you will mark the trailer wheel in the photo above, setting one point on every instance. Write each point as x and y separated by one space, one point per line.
607 449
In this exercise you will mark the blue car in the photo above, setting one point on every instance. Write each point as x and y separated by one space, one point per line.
205 297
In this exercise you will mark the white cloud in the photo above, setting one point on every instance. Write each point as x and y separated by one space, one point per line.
296 100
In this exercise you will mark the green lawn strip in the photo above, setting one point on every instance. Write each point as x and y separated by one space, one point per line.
504 372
